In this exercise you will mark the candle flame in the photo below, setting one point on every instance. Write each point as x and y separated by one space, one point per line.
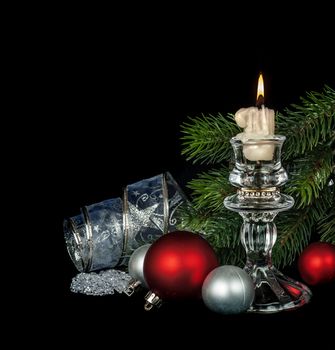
260 87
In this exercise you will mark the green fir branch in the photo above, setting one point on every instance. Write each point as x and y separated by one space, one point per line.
309 175
294 232
225 226
228 256
221 230
206 139
210 189
326 227
309 124
193 219
295 228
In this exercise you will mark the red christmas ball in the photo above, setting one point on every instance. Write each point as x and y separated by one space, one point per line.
317 263
176 265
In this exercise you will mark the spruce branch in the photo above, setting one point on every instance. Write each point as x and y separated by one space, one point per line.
296 226
223 226
206 139
326 228
228 256
293 235
194 219
210 189
308 124
309 175
221 230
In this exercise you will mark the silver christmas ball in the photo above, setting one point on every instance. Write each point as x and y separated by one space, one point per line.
228 290
135 265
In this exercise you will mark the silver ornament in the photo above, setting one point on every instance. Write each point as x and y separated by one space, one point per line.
135 265
228 290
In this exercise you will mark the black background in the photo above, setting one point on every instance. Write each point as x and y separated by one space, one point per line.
121 105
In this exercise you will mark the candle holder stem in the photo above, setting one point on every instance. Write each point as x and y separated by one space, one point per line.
258 200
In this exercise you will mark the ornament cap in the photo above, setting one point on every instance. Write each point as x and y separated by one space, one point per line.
151 300
132 287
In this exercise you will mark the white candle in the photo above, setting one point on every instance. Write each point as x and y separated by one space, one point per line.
257 124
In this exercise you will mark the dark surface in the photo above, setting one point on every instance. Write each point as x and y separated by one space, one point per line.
133 108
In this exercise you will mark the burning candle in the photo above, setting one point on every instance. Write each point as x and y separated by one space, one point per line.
258 124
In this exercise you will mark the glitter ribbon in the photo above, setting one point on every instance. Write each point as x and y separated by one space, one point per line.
105 234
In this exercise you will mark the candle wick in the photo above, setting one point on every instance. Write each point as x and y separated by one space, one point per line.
260 101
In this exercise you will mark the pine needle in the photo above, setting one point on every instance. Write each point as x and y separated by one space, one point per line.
206 139
309 124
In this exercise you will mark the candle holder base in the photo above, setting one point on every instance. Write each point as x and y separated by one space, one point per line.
276 292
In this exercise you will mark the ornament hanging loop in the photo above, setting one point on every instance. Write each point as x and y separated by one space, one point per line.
151 300
133 286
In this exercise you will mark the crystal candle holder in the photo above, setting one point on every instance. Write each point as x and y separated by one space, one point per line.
258 200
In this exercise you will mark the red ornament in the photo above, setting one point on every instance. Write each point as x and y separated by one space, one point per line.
317 263
176 265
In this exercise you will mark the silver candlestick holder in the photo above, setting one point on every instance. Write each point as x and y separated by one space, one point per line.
258 200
